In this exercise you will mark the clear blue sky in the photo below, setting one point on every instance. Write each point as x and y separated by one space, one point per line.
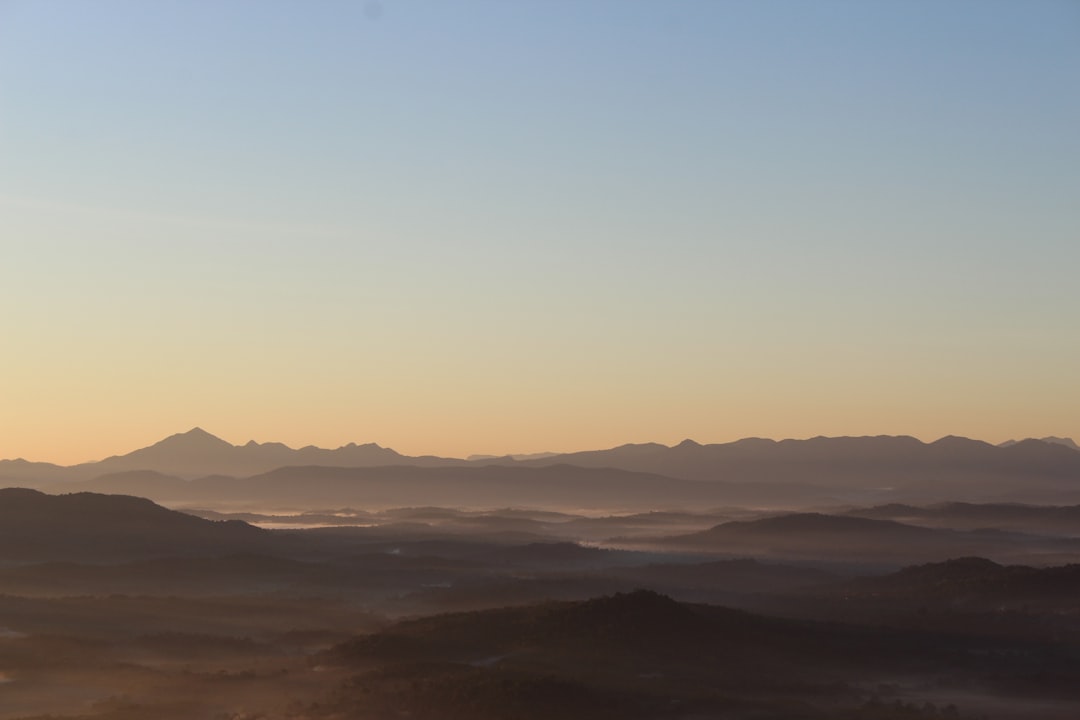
463 227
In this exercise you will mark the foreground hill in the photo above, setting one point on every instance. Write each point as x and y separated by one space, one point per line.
628 655
972 583
87 526
641 654
972 596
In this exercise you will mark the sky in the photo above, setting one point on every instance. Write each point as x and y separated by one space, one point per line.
492 227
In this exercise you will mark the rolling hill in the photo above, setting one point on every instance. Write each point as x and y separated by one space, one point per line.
817 536
35 527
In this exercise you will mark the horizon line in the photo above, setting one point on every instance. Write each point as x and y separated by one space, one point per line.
198 429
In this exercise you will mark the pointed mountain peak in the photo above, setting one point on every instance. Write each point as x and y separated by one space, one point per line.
198 432
688 443
195 437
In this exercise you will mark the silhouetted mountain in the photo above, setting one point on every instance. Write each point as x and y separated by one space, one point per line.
1046 520
141 483
23 473
780 473
515 457
1067 442
197 453
808 527
864 468
811 536
641 654
640 621
483 486
87 526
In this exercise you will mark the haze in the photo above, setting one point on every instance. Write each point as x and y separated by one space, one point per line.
605 360
518 227
869 578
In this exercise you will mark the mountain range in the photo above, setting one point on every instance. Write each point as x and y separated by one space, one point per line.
1067 442
821 470
197 453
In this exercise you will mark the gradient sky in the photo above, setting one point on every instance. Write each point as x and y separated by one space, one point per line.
486 227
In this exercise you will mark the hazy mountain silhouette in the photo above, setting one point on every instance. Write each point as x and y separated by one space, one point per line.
1067 442
787 473
87 526
807 528
520 457
484 486
142 483
23 473
1046 520
865 467
852 539
640 622
197 453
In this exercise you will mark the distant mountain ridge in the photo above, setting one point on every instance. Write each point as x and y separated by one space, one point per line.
855 470
197 453
1062 520
465 485
1067 442
865 467
817 536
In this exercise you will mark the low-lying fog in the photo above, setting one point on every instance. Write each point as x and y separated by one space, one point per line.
113 608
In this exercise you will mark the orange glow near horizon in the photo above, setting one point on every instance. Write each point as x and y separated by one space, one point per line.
388 237
75 445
